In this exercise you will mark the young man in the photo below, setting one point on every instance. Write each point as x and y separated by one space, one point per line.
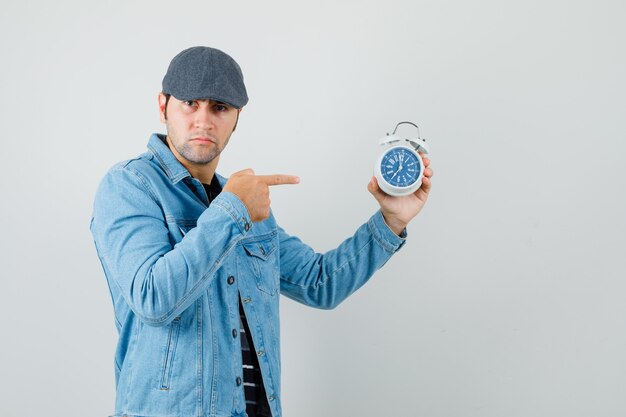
195 262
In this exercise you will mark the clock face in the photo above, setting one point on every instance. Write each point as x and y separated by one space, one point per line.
400 167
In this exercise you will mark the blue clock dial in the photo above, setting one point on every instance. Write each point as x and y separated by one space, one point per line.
400 167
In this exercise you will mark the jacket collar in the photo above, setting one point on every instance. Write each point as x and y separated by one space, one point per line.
166 159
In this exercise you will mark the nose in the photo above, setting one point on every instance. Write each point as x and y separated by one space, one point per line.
204 119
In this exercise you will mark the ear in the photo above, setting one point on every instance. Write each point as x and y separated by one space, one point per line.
162 101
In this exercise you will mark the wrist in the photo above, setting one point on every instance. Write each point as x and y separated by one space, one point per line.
394 225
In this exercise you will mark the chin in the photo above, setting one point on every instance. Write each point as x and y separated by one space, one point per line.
203 160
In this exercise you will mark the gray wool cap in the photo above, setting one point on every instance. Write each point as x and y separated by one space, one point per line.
202 73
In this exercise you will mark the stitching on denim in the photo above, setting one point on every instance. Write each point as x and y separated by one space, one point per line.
385 245
199 361
286 279
251 246
270 377
167 170
258 238
330 275
227 210
215 267
388 246
143 182
170 353
349 260
216 362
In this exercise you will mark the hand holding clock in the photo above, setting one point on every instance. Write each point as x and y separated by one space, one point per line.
398 211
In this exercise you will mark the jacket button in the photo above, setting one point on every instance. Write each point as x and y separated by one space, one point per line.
260 353
235 333
231 280
246 226
238 381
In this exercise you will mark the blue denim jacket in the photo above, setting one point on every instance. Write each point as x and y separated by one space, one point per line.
170 259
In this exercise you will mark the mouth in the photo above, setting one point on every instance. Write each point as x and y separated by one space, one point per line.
204 140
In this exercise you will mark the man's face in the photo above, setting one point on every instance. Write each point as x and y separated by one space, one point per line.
197 130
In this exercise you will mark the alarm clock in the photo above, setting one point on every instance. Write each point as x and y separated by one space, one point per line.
399 169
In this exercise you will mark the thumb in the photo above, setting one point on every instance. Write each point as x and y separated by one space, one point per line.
375 190
247 171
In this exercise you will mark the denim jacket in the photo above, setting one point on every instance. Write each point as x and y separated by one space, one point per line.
177 267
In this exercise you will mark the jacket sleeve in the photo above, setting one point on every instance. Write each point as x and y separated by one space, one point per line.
157 279
325 280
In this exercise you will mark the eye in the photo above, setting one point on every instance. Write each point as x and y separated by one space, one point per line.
190 103
220 107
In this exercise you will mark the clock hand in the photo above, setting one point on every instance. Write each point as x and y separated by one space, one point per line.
395 173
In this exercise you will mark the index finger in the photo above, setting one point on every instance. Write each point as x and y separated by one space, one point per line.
279 179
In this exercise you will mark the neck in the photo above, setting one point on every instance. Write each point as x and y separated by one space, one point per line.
203 172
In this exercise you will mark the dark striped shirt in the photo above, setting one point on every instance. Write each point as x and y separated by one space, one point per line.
256 398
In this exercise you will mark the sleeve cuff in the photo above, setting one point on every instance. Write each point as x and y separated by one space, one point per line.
232 205
384 235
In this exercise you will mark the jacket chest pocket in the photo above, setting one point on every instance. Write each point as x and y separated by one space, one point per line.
262 259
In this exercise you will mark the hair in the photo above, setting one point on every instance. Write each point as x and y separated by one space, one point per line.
167 99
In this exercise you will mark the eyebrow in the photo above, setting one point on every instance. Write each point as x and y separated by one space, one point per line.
209 101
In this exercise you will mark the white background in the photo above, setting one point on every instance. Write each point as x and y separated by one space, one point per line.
508 298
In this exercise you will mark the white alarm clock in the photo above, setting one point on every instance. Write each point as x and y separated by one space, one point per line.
399 168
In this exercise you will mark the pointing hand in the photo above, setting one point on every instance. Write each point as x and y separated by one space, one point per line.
253 190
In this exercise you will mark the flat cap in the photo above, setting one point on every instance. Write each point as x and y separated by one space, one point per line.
203 73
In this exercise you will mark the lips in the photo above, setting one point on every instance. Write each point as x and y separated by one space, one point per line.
202 140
